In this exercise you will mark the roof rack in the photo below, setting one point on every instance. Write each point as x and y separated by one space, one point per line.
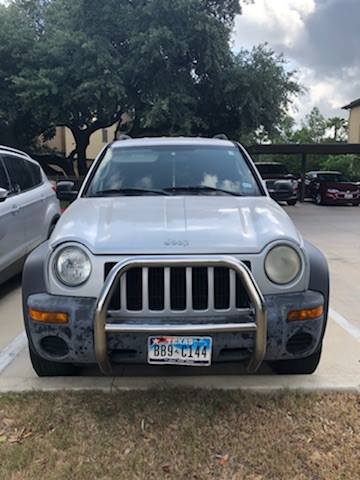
123 136
14 150
221 136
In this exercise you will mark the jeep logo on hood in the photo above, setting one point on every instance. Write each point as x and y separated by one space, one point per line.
176 243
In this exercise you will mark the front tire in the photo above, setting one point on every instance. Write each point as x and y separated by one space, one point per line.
319 199
46 368
298 366
292 203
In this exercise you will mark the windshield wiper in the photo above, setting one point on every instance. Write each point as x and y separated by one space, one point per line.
201 189
129 191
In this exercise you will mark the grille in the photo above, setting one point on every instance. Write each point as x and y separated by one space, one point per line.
178 289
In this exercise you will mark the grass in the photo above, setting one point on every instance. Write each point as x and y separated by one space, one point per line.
179 435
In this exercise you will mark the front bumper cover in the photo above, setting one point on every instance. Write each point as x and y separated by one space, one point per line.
132 347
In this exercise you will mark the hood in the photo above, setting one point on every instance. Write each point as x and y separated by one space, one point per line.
341 186
174 225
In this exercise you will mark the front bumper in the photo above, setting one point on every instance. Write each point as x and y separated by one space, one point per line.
284 340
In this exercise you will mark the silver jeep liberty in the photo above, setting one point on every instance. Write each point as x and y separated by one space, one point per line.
174 253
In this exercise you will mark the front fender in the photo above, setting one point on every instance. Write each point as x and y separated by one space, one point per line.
34 276
319 275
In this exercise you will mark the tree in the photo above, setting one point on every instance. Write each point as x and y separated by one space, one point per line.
168 65
18 125
339 129
251 97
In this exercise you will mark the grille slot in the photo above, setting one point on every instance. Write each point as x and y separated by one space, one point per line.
115 303
176 289
200 288
156 289
221 288
134 292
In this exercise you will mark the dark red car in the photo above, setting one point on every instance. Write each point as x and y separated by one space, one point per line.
331 188
281 184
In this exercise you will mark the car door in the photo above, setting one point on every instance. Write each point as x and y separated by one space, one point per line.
27 180
12 231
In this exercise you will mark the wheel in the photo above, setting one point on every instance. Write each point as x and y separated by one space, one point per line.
292 203
318 199
355 204
45 368
299 366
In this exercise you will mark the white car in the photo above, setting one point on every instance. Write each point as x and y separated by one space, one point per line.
29 209
173 253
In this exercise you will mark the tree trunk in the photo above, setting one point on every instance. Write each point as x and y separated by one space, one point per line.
82 140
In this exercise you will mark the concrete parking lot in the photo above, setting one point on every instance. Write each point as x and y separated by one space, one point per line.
335 230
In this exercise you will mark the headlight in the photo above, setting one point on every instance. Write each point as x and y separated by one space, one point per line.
72 266
282 264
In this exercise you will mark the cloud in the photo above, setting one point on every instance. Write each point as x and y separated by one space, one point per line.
279 22
320 38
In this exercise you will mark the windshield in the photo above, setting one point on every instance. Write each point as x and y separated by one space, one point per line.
271 169
333 177
178 170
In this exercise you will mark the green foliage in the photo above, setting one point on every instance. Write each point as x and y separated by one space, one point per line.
349 165
83 63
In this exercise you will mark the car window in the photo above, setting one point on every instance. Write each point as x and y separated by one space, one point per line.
21 175
166 167
333 177
4 182
272 169
35 173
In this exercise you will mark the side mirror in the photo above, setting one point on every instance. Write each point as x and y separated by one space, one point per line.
3 194
66 191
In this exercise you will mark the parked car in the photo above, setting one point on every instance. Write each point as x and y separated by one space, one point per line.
173 253
281 184
29 209
331 188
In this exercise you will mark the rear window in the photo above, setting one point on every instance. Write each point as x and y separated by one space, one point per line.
267 169
333 177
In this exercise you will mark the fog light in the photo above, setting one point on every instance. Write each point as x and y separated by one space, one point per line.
305 314
48 317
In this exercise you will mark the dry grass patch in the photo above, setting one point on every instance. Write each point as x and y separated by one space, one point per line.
179 435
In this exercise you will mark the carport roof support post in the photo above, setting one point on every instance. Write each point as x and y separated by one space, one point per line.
303 173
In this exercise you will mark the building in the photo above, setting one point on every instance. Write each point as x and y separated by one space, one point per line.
354 121
64 143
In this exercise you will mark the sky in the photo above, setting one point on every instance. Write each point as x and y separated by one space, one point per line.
321 41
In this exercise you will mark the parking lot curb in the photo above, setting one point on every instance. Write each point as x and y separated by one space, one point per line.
268 384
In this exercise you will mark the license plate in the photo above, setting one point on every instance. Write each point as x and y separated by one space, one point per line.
180 351
348 196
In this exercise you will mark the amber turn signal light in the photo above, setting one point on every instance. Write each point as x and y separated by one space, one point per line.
48 317
306 314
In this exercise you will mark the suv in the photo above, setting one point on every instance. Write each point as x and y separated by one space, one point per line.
29 209
281 185
174 253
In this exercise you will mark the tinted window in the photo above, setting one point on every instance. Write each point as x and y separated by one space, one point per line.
20 173
35 173
161 167
271 169
332 177
3 177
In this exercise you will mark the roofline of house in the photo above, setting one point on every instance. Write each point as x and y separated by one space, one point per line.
355 103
